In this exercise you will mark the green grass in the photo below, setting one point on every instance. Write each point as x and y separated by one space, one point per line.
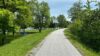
22 45
81 47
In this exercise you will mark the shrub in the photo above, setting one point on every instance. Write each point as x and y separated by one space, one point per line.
88 30
91 31
6 22
76 27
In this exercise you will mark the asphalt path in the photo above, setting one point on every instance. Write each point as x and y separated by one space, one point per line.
56 44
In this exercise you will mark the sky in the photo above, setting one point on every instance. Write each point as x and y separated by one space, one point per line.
58 7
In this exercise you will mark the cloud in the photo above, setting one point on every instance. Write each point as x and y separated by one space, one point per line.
58 7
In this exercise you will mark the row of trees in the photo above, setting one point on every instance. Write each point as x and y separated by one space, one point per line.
19 14
12 14
22 14
59 21
86 23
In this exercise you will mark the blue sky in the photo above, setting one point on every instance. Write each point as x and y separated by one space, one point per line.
58 7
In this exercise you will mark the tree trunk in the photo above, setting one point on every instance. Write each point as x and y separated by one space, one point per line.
13 33
4 37
24 31
4 5
40 29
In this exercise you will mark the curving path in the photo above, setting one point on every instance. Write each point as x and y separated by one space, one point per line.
56 44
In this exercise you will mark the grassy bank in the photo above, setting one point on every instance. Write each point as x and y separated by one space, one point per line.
22 45
81 47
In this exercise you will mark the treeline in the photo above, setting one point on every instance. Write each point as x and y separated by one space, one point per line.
86 23
59 22
13 14
17 15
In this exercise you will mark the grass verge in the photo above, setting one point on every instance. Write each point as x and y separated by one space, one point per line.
81 47
22 45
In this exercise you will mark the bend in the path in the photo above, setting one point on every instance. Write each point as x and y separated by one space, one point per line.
56 44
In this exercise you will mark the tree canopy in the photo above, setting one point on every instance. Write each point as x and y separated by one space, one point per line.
86 25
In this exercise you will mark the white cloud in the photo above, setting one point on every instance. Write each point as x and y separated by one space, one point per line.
60 6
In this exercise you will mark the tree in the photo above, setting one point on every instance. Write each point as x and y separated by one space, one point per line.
6 22
16 6
42 15
24 18
62 22
45 13
7 18
98 4
53 22
75 11
8 5
87 28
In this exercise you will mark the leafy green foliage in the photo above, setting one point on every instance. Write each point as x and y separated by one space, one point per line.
53 22
6 17
87 27
6 22
62 22
45 13
86 51
91 32
42 15
21 14
76 27
24 18
75 11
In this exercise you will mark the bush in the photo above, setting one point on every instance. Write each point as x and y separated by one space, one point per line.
76 27
91 31
6 22
88 30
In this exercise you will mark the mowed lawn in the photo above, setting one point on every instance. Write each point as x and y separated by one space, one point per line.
20 46
81 47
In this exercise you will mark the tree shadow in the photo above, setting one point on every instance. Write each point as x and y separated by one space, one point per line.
30 32
17 35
